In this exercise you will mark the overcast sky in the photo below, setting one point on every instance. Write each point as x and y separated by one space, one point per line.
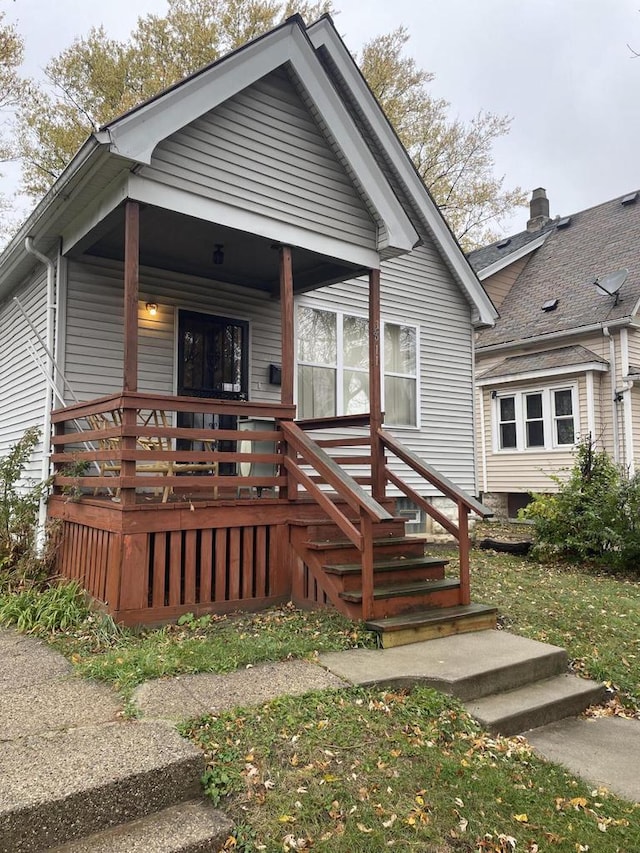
562 69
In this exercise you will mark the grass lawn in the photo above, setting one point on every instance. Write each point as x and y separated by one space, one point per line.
361 771
595 616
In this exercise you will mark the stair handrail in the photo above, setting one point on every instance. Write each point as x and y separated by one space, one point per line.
369 510
464 502
432 475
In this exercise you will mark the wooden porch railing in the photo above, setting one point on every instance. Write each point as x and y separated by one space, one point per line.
132 440
303 449
464 502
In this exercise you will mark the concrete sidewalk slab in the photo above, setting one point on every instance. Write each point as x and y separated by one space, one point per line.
465 665
605 751
61 703
193 695
26 661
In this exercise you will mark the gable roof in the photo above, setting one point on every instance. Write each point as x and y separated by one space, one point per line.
596 242
491 259
129 140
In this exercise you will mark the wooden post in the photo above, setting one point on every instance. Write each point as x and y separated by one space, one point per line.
366 526
131 275
286 322
464 547
287 350
375 394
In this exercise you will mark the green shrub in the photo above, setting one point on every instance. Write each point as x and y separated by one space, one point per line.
58 608
19 504
593 516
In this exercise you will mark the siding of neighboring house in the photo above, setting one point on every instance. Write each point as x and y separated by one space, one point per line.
521 471
416 289
499 284
263 152
22 385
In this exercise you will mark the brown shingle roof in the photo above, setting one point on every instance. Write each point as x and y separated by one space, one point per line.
547 360
598 241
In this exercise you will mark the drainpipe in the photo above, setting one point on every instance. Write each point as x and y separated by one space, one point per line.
614 402
46 421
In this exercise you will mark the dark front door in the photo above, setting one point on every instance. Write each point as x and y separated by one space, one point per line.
212 362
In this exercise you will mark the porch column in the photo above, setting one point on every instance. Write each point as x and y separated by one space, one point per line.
375 395
131 275
130 366
286 322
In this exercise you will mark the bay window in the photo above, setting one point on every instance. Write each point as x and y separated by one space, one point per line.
333 366
536 420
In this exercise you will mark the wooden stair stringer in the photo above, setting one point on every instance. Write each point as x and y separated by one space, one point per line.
326 583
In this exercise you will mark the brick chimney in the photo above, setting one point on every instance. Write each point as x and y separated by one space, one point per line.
538 210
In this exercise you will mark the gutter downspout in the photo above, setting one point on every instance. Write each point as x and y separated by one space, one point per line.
614 405
627 410
46 421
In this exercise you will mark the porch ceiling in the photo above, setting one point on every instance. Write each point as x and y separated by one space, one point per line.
185 244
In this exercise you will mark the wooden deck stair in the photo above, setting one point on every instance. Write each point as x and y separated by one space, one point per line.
413 598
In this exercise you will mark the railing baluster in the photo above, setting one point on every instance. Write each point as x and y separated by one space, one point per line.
464 548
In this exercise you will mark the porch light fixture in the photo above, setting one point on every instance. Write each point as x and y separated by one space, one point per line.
152 308
218 254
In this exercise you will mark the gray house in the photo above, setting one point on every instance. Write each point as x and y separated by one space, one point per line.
249 250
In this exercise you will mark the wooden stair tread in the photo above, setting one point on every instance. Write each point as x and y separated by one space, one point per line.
398 564
326 522
402 589
330 544
430 615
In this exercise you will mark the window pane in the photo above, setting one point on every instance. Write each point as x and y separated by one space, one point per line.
534 406
316 336
507 435
316 392
400 401
563 402
399 349
535 434
355 341
564 431
355 390
507 408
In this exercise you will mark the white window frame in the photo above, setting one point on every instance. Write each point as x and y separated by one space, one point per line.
549 418
340 366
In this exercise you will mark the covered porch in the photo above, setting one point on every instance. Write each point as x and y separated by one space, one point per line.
207 501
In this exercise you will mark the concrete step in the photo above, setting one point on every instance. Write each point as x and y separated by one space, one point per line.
60 786
193 827
537 704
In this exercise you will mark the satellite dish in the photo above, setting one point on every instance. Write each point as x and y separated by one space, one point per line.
611 283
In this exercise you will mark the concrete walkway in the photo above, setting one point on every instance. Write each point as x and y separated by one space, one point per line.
41 699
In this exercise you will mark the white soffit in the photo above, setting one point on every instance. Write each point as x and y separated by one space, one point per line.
136 134
323 34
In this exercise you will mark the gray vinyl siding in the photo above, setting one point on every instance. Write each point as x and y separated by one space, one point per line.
418 290
94 341
263 152
22 385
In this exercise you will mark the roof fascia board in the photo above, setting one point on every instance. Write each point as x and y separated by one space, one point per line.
512 258
181 201
323 34
137 134
78 170
543 373
530 343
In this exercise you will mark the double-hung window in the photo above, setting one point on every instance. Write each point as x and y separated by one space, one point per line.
333 366
543 419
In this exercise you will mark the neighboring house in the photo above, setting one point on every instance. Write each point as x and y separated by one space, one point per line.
252 238
562 361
